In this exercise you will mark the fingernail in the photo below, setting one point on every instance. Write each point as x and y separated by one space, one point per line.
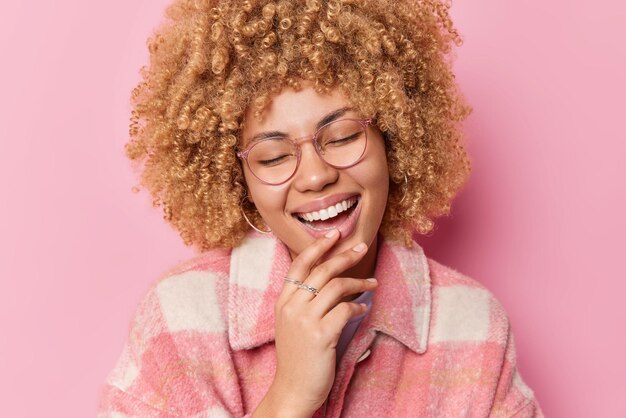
359 248
331 233
371 279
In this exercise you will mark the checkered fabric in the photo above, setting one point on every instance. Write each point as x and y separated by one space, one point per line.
201 343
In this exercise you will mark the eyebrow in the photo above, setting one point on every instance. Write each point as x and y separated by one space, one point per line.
329 117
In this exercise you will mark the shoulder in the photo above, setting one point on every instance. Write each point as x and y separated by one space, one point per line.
215 260
464 310
189 297
177 340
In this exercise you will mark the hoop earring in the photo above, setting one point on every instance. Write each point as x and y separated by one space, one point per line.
248 220
406 189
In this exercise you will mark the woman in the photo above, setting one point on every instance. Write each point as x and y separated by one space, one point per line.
298 145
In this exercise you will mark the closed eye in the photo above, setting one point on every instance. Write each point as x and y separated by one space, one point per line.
274 161
343 140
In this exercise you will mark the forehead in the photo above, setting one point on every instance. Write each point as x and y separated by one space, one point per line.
294 112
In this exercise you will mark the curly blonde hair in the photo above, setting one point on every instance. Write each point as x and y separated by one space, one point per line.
212 60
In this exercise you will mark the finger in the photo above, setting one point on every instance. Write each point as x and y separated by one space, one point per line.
331 268
335 290
334 321
302 264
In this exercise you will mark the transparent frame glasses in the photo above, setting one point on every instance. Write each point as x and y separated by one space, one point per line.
243 154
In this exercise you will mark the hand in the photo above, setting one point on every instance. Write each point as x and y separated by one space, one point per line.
308 327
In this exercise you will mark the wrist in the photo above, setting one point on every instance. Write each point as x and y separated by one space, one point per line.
279 403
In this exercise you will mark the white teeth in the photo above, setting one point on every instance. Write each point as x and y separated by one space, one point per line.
329 212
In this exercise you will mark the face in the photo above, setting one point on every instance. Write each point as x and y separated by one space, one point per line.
316 186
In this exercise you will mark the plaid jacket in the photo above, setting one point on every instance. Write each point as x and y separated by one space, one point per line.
434 344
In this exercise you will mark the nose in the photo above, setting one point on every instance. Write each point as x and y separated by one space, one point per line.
313 173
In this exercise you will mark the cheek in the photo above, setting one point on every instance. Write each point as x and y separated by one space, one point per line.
374 175
380 189
260 193
372 179
381 177
269 200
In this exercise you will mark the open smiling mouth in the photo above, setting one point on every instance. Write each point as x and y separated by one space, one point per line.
330 217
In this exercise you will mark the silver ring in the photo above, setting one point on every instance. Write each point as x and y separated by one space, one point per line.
309 288
296 282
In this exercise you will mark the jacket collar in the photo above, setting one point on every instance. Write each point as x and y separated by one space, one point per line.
400 304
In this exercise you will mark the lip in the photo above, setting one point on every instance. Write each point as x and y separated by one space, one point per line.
346 228
323 203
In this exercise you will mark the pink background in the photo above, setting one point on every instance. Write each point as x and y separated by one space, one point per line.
540 223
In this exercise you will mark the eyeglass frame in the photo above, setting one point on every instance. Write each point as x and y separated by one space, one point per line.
243 154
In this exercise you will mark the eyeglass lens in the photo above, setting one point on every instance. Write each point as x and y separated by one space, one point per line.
340 144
